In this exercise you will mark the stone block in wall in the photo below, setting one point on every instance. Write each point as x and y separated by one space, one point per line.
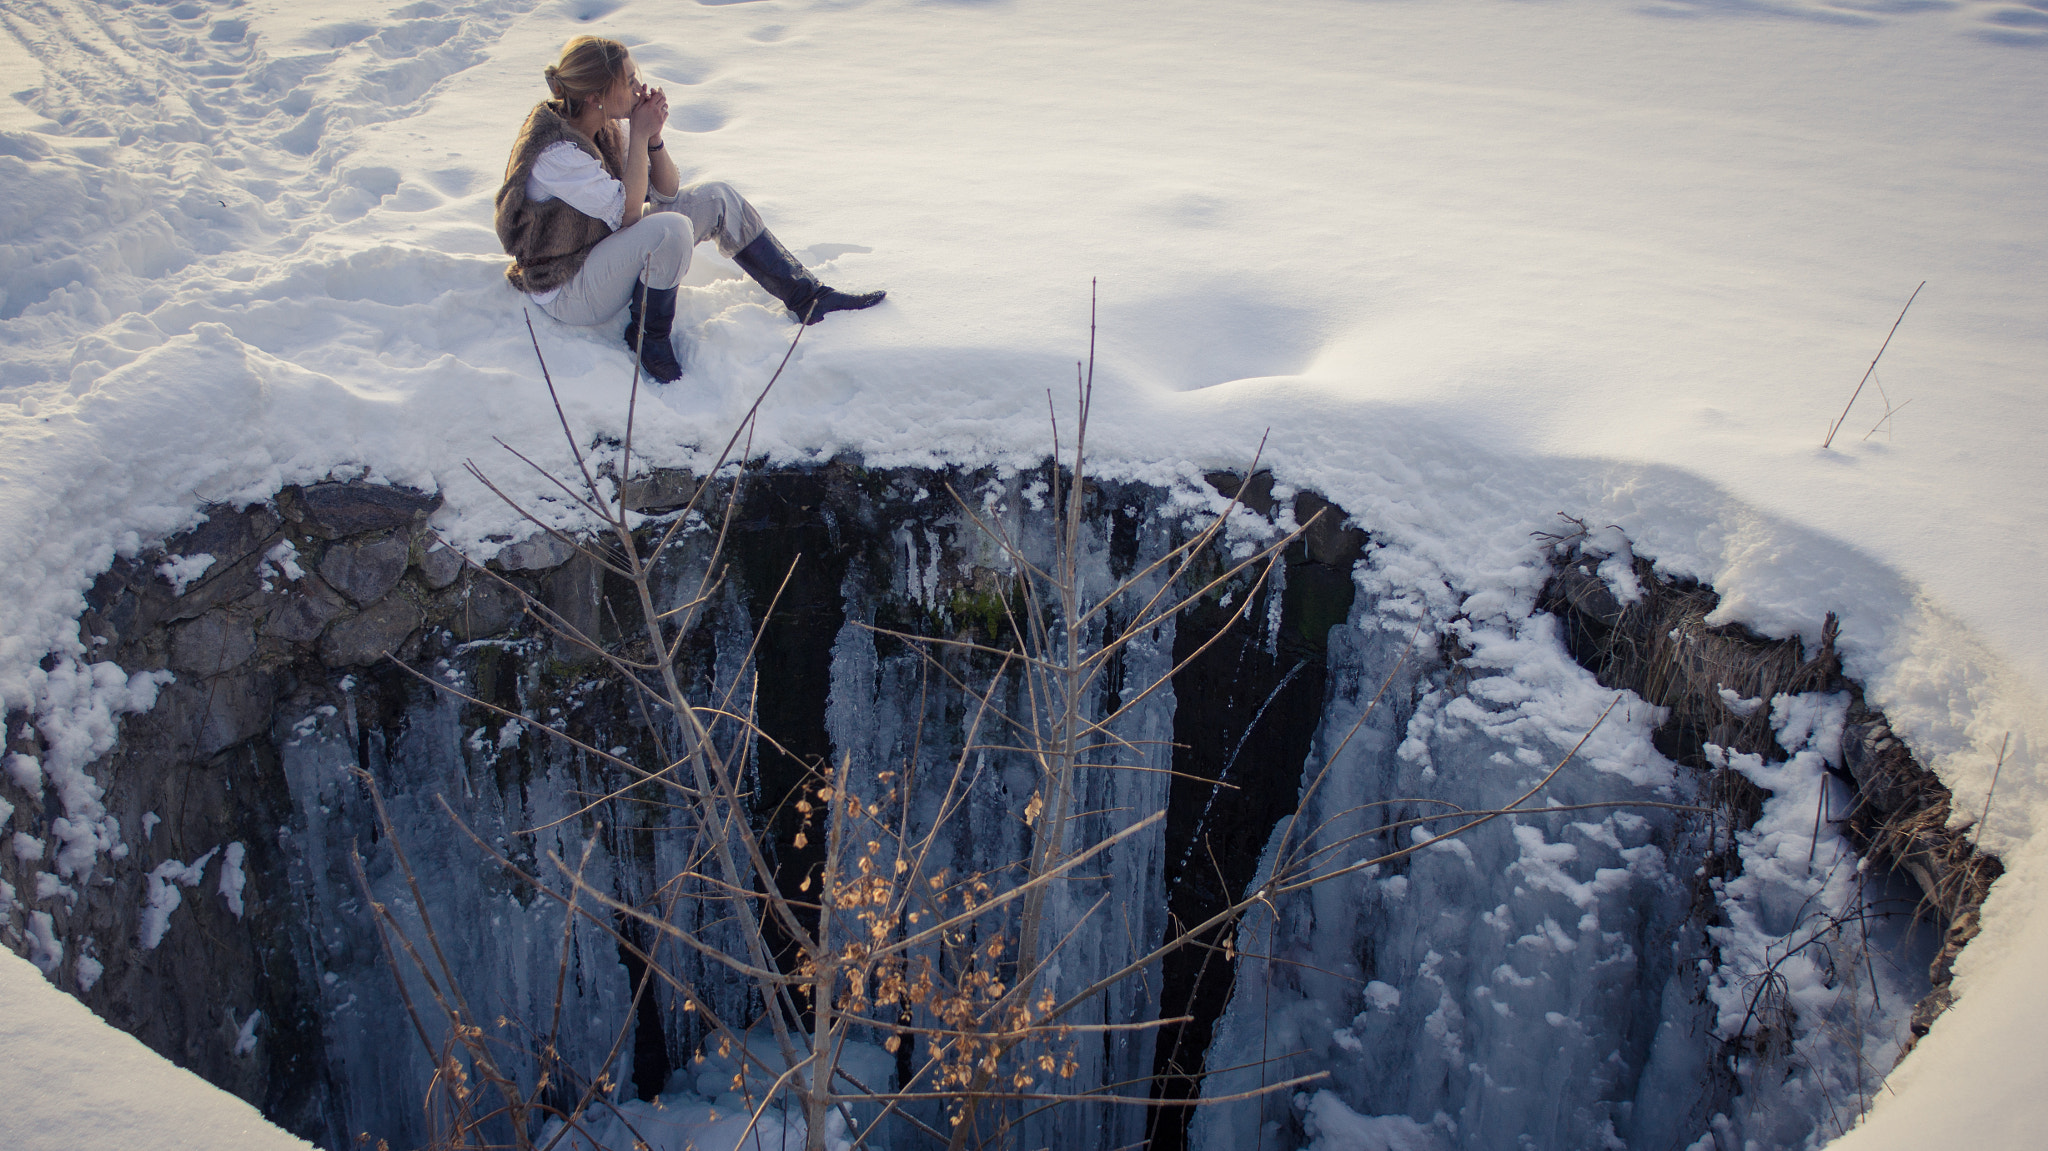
440 565
364 639
1329 537
663 490
125 602
228 580
482 607
1588 594
1255 493
238 707
213 643
540 552
573 592
365 570
201 717
229 535
303 614
337 509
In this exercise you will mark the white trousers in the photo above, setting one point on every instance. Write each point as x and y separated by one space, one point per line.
657 245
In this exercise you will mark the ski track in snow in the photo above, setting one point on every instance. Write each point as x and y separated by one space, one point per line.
1623 272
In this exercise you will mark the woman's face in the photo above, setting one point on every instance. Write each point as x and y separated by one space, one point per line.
618 99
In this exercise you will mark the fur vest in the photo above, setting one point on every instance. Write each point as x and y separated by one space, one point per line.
548 239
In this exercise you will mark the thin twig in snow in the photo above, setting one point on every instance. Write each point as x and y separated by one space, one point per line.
1837 425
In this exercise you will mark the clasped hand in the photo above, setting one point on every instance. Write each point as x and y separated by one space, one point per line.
650 113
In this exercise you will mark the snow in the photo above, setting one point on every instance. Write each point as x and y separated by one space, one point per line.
164 897
1472 264
1334 1127
245 1031
89 971
280 562
1794 921
26 773
233 880
72 1082
45 950
180 571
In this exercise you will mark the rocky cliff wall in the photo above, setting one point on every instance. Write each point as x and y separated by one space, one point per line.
230 933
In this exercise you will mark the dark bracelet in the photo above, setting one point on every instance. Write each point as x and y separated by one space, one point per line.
654 146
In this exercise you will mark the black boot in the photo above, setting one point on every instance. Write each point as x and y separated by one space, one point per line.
647 331
775 269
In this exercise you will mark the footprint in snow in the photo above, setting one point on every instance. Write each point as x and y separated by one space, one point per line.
698 118
585 11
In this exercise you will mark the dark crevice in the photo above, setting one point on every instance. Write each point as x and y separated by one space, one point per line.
1245 714
787 552
652 1059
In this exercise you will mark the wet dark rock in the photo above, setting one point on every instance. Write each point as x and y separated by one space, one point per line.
213 643
204 717
365 639
97 631
1249 698
365 571
574 592
1329 538
1255 492
660 491
126 600
228 535
1588 595
227 581
480 609
539 552
334 510
301 616
440 565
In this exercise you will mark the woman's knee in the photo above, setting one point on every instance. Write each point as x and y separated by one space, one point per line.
738 223
670 239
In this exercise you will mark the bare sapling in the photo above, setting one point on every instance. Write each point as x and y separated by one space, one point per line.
698 773
861 931
1064 730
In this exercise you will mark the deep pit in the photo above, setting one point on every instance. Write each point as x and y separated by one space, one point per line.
282 686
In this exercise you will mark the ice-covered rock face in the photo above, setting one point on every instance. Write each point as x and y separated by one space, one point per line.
1671 941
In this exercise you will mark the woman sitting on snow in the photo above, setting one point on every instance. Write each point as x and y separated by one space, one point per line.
574 213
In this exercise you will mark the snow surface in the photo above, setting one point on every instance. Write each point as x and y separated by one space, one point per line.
73 1082
1473 263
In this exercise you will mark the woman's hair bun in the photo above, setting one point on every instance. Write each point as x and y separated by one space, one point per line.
587 67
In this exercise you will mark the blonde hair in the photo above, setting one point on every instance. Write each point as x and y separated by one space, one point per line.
588 65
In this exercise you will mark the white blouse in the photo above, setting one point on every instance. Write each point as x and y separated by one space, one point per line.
568 173
564 171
